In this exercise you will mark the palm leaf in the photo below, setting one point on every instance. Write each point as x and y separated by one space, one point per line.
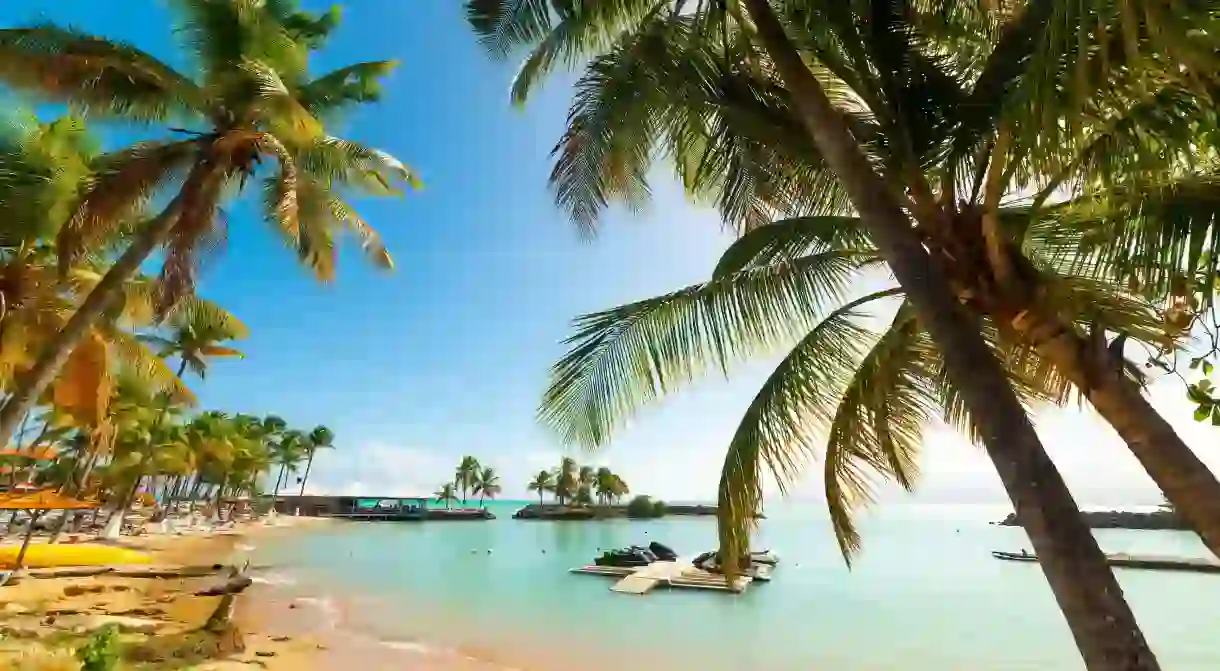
878 424
95 74
779 427
788 239
625 357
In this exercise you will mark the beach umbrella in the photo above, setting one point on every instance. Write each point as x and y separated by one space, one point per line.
40 454
37 503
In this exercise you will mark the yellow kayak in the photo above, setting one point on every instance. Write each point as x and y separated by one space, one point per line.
72 554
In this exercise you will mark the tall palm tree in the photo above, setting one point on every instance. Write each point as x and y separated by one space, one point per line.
252 97
320 438
565 480
446 494
466 475
604 482
487 484
889 196
543 482
287 452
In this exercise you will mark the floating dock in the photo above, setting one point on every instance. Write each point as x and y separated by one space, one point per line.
680 573
1124 560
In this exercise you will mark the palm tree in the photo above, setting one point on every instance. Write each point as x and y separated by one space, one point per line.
252 97
586 478
487 484
320 438
543 482
466 475
604 482
287 452
446 494
598 160
565 480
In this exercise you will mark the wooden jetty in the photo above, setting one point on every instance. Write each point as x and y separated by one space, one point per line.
1124 560
680 573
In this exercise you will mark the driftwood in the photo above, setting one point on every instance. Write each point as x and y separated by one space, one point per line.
127 571
220 622
234 585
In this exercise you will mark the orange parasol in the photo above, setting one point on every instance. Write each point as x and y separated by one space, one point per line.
45 499
37 503
40 454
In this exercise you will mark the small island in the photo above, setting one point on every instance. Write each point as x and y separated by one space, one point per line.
1164 519
587 493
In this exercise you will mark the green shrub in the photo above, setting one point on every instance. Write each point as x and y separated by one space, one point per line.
101 651
644 507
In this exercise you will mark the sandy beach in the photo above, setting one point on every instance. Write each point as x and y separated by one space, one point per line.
280 628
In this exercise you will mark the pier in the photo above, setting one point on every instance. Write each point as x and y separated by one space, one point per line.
680 573
1123 560
375 508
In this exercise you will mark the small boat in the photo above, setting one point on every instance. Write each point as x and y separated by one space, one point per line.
1014 556
632 556
764 557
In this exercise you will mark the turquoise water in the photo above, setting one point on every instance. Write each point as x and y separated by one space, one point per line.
924 595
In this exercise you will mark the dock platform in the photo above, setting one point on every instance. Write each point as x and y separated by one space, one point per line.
1124 560
680 573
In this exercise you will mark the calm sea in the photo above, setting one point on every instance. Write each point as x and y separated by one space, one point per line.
925 594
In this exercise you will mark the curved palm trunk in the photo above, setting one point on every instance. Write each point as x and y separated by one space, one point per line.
275 493
1102 624
1185 480
100 300
308 465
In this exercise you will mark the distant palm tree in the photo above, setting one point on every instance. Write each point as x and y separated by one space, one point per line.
487 484
565 480
586 479
604 482
321 437
542 483
446 494
465 476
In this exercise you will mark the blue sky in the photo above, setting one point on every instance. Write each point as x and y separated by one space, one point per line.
448 355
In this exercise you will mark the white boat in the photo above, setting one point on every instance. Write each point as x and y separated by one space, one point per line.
759 569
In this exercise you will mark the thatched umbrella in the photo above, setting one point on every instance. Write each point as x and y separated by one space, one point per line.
37 504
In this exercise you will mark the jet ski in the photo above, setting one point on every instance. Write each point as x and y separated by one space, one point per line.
632 556
758 570
662 552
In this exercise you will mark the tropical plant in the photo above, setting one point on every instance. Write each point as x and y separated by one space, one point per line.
543 482
288 449
320 438
446 494
487 484
251 97
987 113
565 480
466 475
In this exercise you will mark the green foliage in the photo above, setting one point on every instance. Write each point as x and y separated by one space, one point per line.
644 507
101 651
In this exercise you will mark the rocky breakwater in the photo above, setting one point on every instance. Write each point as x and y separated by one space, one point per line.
1119 519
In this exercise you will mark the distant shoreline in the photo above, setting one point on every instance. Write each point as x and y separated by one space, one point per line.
1160 520
554 511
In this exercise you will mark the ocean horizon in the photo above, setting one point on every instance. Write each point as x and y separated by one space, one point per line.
924 593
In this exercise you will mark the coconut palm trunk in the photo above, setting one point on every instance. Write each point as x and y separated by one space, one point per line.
1102 624
103 296
308 466
1185 480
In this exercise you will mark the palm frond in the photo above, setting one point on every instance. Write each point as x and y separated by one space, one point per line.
788 239
1155 236
98 75
334 91
777 433
627 356
505 25
122 184
877 425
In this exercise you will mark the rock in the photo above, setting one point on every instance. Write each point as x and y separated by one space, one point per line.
75 590
264 653
281 639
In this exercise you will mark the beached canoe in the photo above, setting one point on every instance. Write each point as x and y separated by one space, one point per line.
72 554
